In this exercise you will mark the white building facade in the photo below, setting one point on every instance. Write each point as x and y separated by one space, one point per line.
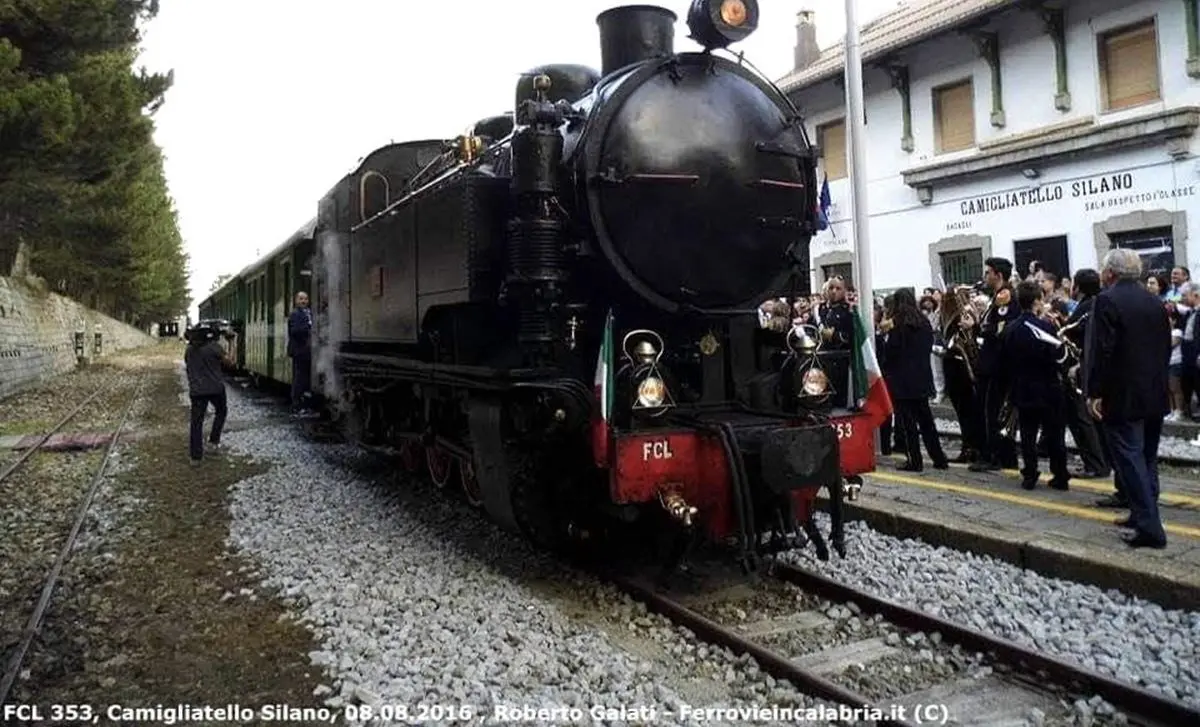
1050 132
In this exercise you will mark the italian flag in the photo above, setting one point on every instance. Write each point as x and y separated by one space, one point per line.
604 395
870 392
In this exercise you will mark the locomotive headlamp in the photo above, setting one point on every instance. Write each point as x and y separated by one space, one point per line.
718 23
733 12
651 392
815 382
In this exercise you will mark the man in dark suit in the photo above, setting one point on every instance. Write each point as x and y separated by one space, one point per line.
1189 311
1030 351
1128 345
992 379
299 348
1085 430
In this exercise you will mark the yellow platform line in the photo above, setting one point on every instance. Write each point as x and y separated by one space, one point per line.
1166 498
1023 500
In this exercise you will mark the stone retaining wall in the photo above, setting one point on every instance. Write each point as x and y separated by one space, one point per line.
37 335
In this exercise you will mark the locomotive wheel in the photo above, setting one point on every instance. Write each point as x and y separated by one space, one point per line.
470 485
410 455
441 465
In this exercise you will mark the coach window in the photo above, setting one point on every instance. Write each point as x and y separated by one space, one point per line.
1129 66
832 140
954 117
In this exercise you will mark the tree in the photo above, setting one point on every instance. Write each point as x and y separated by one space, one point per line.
81 180
220 282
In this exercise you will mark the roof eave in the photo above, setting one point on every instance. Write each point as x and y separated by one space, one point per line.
840 68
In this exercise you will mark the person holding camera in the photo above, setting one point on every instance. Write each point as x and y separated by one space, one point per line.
206 385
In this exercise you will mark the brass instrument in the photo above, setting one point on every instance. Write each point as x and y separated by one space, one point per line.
1008 418
1071 356
959 320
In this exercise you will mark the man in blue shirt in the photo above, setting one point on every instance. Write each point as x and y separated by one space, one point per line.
299 348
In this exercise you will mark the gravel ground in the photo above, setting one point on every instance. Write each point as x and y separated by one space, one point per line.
136 617
1113 633
416 600
1186 450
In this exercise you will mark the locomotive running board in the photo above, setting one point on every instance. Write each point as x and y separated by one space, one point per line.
479 378
485 420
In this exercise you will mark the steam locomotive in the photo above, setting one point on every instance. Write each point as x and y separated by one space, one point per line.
559 312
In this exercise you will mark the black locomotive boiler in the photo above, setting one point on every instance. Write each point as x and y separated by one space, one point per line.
558 310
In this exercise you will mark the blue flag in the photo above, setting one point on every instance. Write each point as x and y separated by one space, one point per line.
823 206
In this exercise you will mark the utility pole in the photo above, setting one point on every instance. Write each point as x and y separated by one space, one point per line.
856 130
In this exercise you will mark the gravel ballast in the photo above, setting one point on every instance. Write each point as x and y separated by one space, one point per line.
417 600
1176 448
1113 633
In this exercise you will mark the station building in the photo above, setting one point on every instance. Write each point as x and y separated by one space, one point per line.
1033 131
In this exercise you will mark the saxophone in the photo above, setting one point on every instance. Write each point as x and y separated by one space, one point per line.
958 321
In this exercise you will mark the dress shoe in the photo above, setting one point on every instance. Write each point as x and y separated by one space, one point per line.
910 467
984 467
1029 483
942 465
1112 501
1141 540
1060 485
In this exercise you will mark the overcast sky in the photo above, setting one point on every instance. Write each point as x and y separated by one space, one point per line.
275 100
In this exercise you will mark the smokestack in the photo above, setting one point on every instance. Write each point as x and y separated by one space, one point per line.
634 33
807 51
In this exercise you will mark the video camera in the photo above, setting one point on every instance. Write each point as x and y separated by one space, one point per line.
206 331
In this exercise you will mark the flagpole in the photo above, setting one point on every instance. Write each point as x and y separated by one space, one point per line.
856 147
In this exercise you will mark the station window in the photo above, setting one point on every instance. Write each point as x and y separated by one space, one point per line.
1129 66
831 138
954 117
842 270
962 267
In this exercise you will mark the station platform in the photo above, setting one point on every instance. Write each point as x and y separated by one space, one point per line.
1058 534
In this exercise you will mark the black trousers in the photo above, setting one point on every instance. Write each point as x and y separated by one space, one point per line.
961 391
1047 418
199 409
301 372
1086 432
991 392
1190 381
916 421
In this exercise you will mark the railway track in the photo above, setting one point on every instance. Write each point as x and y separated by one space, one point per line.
888 663
16 659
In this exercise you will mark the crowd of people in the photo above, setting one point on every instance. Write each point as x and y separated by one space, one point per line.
1109 355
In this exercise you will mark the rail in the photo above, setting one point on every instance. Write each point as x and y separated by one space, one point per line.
39 611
